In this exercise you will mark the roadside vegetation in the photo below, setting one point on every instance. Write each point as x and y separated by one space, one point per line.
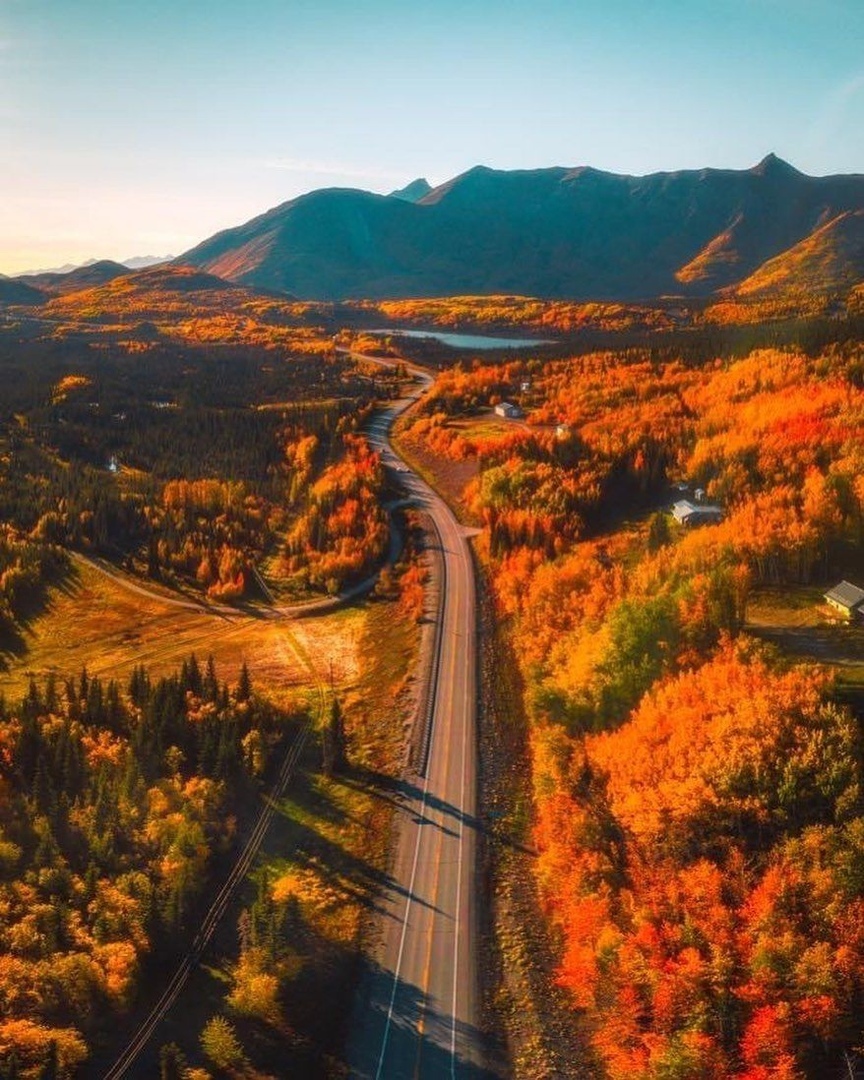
276 985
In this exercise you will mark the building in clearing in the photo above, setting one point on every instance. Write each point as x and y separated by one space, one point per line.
508 410
562 431
846 598
689 513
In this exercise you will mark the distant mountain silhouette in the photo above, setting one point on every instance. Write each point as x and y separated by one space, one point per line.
139 262
82 277
555 232
414 191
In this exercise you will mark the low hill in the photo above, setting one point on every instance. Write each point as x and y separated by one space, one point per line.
13 291
143 294
557 232
82 277
176 278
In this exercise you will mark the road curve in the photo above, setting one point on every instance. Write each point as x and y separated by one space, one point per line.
417 1013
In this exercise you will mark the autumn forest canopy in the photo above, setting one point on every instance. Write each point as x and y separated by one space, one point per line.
688 709
696 781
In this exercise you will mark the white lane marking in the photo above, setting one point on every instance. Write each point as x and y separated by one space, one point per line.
459 880
460 545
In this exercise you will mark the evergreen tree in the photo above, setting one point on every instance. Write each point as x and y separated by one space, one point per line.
334 740
51 693
172 1062
244 685
83 684
51 1065
658 532
210 688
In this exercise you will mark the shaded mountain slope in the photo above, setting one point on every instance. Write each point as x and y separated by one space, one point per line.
13 291
829 260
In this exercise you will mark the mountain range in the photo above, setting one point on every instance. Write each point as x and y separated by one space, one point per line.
557 232
137 262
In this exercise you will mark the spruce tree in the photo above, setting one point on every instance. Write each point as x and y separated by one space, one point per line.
172 1062
244 685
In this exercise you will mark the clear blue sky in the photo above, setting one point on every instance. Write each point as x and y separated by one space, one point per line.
136 127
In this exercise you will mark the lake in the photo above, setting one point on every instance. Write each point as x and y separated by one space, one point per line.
465 341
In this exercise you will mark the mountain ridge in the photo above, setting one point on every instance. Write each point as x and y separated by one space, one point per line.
556 232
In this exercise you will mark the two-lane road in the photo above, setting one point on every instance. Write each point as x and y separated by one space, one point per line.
418 1013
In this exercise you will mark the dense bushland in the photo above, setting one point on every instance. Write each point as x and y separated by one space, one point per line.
114 803
698 798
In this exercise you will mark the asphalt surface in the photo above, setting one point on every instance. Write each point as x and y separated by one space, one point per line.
417 1013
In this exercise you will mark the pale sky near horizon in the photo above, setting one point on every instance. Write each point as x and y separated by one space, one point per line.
142 128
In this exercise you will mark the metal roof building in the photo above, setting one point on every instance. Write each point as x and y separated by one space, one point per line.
689 513
846 597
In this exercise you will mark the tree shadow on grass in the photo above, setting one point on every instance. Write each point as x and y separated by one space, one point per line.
346 875
36 602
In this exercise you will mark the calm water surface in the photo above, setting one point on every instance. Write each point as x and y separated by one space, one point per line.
466 341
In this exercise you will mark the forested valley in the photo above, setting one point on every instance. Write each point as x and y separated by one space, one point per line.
689 709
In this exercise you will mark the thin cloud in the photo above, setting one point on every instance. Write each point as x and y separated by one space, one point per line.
835 115
328 168
849 89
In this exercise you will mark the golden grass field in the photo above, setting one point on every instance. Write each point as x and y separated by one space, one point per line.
798 620
92 620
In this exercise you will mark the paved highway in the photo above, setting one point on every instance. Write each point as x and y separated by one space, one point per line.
418 1012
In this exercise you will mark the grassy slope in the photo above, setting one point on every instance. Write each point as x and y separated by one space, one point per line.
91 620
449 478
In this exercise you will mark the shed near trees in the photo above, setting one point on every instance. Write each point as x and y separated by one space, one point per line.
689 513
846 598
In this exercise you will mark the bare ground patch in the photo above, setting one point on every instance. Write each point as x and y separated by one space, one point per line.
449 478
798 621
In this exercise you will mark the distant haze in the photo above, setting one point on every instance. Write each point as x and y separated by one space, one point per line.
148 127
137 262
